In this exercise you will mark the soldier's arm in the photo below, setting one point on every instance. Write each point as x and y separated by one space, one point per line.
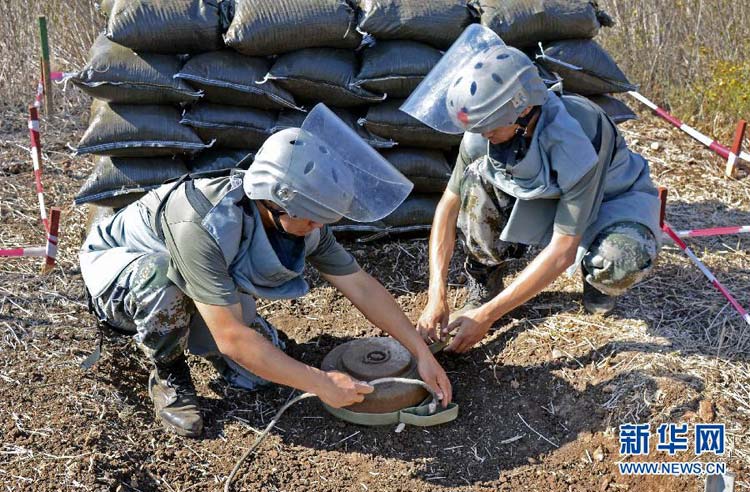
552 261
442 243
252 351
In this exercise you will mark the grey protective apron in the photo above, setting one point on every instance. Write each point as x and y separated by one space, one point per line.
558 157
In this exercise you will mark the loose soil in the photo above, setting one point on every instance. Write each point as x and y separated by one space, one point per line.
541 398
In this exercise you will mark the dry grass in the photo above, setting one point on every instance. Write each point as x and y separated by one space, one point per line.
691 55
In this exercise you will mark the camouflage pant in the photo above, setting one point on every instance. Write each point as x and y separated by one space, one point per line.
620 256
143 300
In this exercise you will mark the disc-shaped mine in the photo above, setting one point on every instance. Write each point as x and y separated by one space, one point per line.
367 359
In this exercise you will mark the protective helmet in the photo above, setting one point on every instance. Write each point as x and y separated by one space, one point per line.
494 89
480 84
266 178
324 171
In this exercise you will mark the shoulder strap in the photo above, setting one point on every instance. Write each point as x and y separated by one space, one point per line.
195 197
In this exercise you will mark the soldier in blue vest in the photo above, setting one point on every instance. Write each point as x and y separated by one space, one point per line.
534 168
215 245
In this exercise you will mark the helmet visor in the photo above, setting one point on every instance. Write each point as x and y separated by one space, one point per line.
331 165
428 101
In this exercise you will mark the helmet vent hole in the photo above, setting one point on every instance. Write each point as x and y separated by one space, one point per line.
324 150
473 88
309 167
497 78
478 65
458 81
502 56
450 103
334 176
297 142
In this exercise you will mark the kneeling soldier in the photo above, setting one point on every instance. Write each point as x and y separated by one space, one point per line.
215 245
534 168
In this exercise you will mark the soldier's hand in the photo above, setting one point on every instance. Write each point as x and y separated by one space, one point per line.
433 320
471 327
341 390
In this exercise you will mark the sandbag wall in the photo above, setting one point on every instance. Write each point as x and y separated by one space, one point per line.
198 85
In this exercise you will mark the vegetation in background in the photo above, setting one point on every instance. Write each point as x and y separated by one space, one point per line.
690 56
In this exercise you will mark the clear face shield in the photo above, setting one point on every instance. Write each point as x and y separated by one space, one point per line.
428 103
333 167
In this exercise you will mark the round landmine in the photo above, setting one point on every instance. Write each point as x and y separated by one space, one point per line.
367 359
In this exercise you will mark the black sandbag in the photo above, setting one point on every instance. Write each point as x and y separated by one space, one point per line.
616 109
387 121
427 169
117 74
435 22
585 67
322 75
214 160
124 130
227 77
414 215
230 126
268 27
168 26
418 209
294 119
116 181
524 23
396 67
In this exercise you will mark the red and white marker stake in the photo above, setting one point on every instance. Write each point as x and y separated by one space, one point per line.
710 276
51 249
36 158
712 144
39 99
714 231
35 251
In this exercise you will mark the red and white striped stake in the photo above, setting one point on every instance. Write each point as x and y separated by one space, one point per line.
36 158
35 251
712 144
714 231
39 99
50 255
710 276
739 136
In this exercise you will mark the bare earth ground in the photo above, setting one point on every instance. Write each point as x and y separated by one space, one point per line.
674 351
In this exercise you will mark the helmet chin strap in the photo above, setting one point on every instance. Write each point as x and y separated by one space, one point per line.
524 121
276 217
519 142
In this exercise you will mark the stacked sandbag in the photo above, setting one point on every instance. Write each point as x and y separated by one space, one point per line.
558 36
198 85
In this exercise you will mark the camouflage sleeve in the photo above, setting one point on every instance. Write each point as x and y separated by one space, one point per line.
330 258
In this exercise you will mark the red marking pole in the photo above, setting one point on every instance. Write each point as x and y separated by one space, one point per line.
662 204
36 158
712 144
50 255
714 231
710 276
739 135
36 251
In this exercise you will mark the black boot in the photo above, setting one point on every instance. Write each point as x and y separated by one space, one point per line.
595 301
175 401
483 284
